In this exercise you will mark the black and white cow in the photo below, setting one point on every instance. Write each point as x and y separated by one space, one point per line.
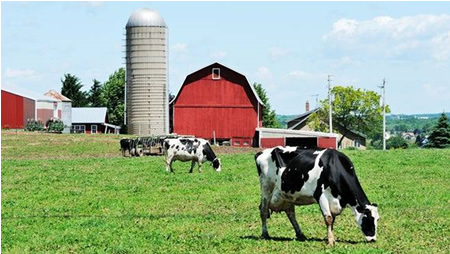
190 149
292 176
127 144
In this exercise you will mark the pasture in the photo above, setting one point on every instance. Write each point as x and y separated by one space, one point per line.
76 194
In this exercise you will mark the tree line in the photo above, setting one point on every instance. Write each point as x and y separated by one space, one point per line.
110 94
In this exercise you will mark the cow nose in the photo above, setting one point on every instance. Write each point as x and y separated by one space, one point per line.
371 239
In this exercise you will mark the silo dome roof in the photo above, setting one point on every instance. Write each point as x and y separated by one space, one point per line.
145 17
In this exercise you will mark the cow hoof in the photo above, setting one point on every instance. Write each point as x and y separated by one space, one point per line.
301 238
265 236
331 242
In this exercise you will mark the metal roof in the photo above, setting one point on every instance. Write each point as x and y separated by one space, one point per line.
88 115
26 93
297 133
54 94
145 17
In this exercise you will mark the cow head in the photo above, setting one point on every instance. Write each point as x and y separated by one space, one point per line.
217 164
367 219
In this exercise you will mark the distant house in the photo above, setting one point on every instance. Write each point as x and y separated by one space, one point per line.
92 121
352 138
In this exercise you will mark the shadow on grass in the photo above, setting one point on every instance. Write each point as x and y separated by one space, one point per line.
287 239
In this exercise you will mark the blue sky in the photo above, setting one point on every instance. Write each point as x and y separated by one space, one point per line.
288 47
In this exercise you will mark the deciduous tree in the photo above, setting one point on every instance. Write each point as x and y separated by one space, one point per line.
354 109
114 94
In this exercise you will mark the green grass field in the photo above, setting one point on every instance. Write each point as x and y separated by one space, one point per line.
75 194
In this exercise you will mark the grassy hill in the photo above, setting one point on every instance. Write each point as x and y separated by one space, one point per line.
74 193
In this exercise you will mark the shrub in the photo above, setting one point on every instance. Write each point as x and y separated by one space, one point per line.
55 125
396 142
33 125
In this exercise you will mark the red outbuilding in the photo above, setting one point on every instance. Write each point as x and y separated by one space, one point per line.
218 103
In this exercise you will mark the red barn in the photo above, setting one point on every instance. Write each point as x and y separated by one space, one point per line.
218 102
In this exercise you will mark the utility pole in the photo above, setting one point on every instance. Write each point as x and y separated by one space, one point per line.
383 87
329 104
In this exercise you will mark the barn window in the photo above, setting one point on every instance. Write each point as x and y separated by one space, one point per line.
94 129
216 73
237 143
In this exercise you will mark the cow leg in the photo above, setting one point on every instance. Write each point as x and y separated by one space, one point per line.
264 213
199 166
290 212
192 166
169 161
328 217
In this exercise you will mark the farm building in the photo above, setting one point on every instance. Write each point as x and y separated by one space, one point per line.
269 137
20 105
352 139
92 121
218 103
65 105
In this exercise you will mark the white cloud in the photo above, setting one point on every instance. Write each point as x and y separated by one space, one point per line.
179 48
95 3
441 46
19 73
263 74
306 76
277 52
393 36
218 55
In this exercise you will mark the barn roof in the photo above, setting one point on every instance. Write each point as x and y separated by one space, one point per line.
240 79
26 93
89 115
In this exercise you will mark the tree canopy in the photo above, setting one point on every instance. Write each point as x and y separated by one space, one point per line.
71 88
95 95
440 136
353 109
114 95
268 115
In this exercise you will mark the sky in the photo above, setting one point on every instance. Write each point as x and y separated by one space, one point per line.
288 47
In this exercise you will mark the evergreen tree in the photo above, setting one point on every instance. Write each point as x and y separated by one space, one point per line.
71 86
95 95
268 115
440 136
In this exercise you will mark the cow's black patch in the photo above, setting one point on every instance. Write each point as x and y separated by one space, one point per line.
208 152
297 165
257 165
184 141
368 224
216 163
166 145
172 146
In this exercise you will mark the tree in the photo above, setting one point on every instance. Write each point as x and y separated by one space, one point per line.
354 109
95 95
71 86
113 95
440 136
268 115
396 142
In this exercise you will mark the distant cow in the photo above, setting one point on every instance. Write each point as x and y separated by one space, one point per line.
292 176
127 144
190 149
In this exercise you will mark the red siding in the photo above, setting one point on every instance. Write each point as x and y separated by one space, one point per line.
29 109
271 142
226 106
12 110
326 142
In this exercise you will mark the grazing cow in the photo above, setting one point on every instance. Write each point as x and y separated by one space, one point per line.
127 144
292 176
190 149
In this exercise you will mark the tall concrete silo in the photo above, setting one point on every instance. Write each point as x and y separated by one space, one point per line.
147 88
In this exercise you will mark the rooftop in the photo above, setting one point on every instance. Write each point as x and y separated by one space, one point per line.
145 17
